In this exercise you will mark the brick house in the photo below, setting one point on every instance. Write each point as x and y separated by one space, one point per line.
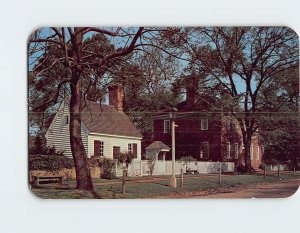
207 136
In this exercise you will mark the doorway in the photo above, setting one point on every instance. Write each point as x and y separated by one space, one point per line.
116 152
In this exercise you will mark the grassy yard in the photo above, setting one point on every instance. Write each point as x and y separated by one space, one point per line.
151 187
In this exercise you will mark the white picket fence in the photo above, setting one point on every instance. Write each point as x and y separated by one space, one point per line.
283 167
141 168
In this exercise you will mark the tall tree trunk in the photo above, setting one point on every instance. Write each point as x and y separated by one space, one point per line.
83 176
247 145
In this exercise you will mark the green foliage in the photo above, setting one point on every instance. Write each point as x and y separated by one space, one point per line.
49 162
280 133
262 166
107 168
39 148
124 160
241 168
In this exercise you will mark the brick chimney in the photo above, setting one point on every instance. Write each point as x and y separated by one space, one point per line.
116 96
191 86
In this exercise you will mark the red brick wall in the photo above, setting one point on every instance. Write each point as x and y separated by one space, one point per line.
189 135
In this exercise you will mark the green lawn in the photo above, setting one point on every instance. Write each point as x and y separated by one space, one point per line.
111 188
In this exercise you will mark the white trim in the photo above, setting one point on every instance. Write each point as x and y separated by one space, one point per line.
166 150
169 127
131 148
228 150
251 152
236 150
113 135
207 144
205 121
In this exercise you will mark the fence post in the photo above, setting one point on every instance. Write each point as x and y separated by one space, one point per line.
279 172
265 171
181 176
123 181
220 173
116 167
294 171
141 168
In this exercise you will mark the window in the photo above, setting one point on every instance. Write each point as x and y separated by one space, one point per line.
228 150
130 151
204 124
228 125
166 126
235 125
116 152
251 152
204 150
98 148
236 150
257 152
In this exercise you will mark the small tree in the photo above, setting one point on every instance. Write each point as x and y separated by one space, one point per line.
107 168
151 165
123 162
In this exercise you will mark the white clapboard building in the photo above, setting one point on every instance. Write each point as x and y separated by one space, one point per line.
106 130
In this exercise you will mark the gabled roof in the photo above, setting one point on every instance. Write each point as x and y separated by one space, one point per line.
105 119
157 145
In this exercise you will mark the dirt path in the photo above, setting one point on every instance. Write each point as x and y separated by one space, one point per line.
275 190
147 180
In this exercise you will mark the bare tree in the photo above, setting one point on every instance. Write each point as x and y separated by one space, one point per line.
75 55
241 60
68 61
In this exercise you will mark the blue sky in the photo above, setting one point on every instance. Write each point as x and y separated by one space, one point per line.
118 43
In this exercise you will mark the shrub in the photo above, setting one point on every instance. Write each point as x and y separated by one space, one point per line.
241 168
107 168
124 160
39 147
262 166
49 162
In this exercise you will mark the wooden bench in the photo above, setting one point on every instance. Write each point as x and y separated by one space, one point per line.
53 179
191 172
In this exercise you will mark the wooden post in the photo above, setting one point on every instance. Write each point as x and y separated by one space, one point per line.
123 181
279 172
220 173
141 168
265 172
35 181
181 176
294 171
